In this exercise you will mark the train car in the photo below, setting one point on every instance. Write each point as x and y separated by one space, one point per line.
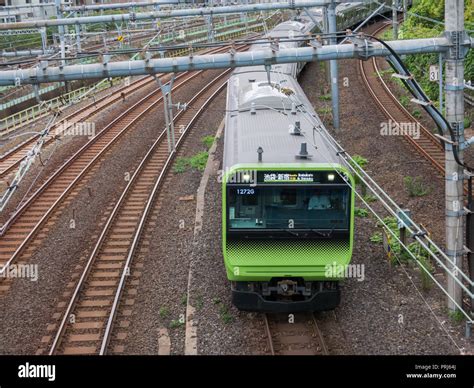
287 201
287 207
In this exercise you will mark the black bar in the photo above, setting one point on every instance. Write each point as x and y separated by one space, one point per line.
171 371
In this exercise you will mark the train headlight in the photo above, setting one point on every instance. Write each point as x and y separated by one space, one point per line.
331 177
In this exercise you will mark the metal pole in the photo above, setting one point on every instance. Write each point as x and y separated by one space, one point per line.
43 38
170 114
405 10
78 37
470 236
395 19
333 66
61 32
441 91
173 13
454 15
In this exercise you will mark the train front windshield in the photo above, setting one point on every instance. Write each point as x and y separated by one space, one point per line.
273 207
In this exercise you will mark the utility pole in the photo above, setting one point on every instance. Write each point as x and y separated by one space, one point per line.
454 18
61 32
331 12
395 19
59 13
44 38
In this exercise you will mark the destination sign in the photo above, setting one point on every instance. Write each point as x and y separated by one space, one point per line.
298 177
290 177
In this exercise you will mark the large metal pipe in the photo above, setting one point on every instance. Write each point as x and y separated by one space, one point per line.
333 66
454 27
44 73
165 14
395 19
98 7
25 53
26 6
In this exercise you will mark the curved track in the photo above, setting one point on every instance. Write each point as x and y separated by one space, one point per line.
96 298
427 144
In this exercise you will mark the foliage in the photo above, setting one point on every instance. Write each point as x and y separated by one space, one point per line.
176 323
359 163
400 255
208 141
415 186
361 212
164 312
457 316
415 27
325 97
197 162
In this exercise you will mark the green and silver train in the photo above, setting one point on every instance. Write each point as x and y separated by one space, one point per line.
287 199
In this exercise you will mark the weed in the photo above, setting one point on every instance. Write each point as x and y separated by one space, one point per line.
164 312
361 212
208 141
415 186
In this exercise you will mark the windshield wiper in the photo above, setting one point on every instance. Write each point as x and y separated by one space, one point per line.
292 232
323 234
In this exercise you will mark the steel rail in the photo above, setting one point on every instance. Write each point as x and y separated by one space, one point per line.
113 216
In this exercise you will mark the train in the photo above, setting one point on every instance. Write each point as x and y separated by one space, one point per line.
287 198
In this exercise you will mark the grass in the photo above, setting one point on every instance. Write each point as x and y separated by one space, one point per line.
426 281
416 114
199 302
405 101
457 316
359 163
369 198
324 111
325 97
467 122
163 312
415 186
208 141
176 323
197 162
376 238
358 212
180 165
184 299
225 315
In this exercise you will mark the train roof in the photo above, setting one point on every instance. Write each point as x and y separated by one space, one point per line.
259 115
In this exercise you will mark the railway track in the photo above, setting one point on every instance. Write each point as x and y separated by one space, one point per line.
19 233
12 159
294 334
96 298
427 145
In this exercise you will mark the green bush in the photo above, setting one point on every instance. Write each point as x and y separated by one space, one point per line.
208 141
415 186
359 163
361 212
415 27
198 162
